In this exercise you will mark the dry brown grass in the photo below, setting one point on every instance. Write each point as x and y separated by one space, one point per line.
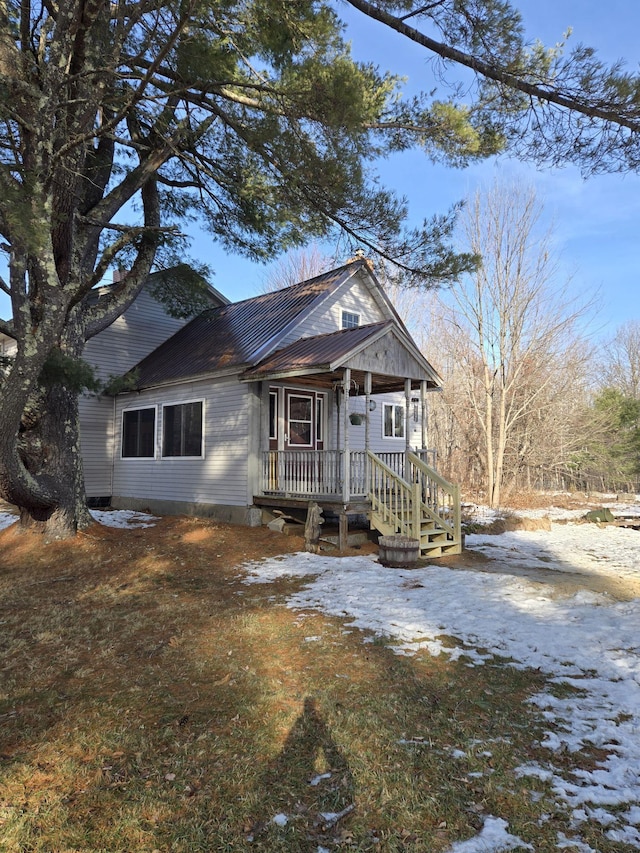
149 701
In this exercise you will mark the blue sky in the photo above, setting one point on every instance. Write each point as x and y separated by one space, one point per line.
594 221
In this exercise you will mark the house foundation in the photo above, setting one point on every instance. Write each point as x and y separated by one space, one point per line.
248 516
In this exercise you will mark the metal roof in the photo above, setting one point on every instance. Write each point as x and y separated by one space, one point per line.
317 353
320 359
237 334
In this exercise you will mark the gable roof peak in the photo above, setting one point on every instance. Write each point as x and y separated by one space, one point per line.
359 256
241 332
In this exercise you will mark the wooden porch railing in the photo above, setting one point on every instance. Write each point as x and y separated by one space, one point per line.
302 472
392 499
440 499
407 496
320 472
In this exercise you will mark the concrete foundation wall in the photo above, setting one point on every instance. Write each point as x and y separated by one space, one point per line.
248 516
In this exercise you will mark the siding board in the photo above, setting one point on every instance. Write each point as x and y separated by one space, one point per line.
96 442
353 296
221 477
128 339
142 327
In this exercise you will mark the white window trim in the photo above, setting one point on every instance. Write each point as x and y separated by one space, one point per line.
309 395
183 403
154 406
393 421
351 314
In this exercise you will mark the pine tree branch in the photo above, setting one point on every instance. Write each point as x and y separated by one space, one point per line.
614 115
100 316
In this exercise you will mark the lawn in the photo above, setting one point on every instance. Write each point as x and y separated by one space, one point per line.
151 700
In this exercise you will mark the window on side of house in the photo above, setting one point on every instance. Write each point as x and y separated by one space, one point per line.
393 421
350 320
182 430
320 419
273 415
139 433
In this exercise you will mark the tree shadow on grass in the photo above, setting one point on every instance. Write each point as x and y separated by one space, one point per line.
310 782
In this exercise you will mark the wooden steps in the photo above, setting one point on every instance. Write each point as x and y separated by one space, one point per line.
426 509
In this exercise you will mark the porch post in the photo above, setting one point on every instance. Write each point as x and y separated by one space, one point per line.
346 472
423 419
407 425
367 432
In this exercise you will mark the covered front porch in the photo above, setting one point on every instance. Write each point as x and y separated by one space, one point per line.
325 405
343 423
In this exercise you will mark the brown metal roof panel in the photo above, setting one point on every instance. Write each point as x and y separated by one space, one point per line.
230 335
319 351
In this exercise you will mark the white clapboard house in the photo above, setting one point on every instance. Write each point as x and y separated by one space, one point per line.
316 392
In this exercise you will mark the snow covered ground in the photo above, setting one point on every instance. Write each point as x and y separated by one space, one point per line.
587 640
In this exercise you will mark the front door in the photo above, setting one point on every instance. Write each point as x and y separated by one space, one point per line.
304 414
299 432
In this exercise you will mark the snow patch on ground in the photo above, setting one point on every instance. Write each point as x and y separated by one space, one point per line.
493 838
480 514
7 519
587 641
583 548
122 518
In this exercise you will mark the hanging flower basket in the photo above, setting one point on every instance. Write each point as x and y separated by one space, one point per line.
356 418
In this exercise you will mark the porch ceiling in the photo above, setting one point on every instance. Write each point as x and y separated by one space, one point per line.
380 349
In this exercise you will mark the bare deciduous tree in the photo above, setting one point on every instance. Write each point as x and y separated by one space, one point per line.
621 360
510 334
295 266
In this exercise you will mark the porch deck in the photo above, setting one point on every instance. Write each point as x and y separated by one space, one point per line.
399 492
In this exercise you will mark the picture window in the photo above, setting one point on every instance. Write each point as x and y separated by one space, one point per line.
139 433
182 430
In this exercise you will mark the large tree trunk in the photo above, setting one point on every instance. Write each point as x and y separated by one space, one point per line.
50 447
40 462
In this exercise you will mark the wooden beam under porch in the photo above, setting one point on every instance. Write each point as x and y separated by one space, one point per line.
329 505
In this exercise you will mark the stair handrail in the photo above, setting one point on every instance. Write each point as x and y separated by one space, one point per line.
402 520
403 506
452 489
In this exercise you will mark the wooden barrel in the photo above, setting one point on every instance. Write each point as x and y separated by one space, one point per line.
398 551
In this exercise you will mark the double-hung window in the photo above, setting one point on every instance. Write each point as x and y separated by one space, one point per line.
350 320
393 421
139 433
182 430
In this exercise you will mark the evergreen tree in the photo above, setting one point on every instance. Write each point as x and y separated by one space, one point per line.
121 121
615 455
